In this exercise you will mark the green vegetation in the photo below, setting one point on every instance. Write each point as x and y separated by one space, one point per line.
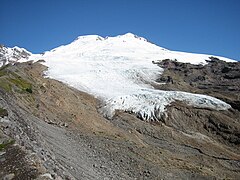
21 83
2 73
29 90
10 80
4 145
3 112
5 85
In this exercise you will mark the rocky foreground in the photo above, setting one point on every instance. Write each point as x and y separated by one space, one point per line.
51 131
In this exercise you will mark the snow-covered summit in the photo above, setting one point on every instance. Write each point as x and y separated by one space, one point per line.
129 45
128 36
120 71
89 38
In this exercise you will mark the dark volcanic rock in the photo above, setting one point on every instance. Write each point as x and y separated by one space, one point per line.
218 78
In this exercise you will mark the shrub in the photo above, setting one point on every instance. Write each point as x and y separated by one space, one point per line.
29 90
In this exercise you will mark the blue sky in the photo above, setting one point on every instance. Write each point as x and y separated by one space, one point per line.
201 26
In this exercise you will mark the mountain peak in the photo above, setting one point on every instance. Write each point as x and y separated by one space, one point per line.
89 37
131 36
125 37
128 35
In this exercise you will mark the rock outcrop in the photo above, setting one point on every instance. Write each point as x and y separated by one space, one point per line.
217 78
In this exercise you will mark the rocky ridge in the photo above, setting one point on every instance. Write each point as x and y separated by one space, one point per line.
217 78
12 55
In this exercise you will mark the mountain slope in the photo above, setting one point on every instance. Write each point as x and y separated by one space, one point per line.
120 71
59 132
62 135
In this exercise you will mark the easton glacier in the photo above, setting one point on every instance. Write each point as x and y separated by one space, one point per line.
120 72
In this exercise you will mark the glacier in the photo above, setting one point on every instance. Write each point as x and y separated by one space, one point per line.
120 72
150 105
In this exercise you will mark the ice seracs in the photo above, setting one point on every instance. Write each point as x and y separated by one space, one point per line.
150 105
119 71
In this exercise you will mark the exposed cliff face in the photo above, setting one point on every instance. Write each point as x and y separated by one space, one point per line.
70 139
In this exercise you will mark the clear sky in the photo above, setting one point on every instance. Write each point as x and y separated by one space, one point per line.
202 26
